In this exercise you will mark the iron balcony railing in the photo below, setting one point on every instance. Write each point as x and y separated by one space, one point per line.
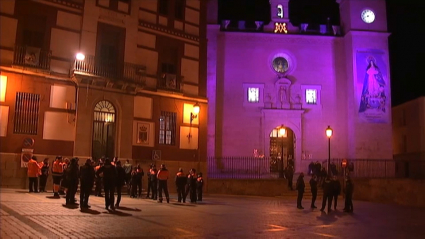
32 57
111 69
170 82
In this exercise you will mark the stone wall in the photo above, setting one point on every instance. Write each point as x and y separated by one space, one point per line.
407 192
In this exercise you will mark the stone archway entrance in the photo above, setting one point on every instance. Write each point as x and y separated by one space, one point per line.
282 145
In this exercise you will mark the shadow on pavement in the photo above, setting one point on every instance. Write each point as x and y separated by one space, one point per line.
129 209
90 211
52 197
184 204
118 213
22 192
73 206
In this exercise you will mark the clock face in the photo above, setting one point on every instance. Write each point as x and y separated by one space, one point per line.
280 64
368 16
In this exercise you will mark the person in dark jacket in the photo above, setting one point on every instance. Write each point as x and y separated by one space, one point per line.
154 182
290 176
44 174
148 174
134 181
109 178
349 188
199 186
98 180
327 194
71 174
336 190
86 183
191 186
128 168
139 183
121 176
300 187
180 181
313 187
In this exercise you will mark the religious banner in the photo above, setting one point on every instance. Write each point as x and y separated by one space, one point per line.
372 87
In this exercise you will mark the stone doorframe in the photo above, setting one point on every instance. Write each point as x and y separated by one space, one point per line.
289 118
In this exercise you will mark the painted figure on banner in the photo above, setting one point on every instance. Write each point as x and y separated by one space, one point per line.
373 98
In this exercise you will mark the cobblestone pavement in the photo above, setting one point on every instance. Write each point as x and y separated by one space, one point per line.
25 215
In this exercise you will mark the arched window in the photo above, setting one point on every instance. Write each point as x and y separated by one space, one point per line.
103 130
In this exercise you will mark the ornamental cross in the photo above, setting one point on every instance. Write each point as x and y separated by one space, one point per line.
189 136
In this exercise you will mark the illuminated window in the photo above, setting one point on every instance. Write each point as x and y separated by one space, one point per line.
167 128
27 107
311 96
253 95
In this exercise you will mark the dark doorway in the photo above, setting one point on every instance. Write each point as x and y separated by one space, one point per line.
103 144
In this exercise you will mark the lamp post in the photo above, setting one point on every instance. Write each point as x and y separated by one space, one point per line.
193 115
329 133
281 134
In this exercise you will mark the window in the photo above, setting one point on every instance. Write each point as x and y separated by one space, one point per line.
27 108
163 7
179 9
168 68
253 95
311 96
116 5
167 128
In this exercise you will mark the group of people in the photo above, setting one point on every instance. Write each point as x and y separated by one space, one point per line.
112 177
331 190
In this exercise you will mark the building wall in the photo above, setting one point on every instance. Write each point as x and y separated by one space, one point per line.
409 130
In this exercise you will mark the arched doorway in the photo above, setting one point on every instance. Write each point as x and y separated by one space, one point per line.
103 144
282 145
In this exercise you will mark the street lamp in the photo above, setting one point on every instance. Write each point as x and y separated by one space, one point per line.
329 133
281 134
80 56
195 112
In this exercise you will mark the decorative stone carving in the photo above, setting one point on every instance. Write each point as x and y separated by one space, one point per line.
283 93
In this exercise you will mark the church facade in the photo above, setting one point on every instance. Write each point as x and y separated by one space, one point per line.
274 89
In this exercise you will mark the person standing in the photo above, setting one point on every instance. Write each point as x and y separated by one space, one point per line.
149 181
163 175
33 172
336 190
199 186
180 183
71 174
154 182
86 183
313 187
98 180
191 186
109 178
327 194
57 174
290 176
44 174
128 168
139 182
133 181
300 187
121 175
349 188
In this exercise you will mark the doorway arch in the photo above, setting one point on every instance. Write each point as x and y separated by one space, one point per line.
103 143
282 148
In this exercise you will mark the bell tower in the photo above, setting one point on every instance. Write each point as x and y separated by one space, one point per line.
364 25
280 17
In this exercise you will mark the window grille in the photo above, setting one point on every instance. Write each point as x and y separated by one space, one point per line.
27 107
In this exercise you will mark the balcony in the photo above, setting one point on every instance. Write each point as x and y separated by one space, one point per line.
170 82
32 57
125 72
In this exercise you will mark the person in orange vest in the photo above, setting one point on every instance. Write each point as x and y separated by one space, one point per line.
163 175
63 188
199 186
57 173
180 183
98 180
33 173
154 181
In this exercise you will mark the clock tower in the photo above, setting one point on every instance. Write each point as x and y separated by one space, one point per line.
364 25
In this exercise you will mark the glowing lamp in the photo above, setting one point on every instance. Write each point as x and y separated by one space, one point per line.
282 131
329 132
80 56
194 114
3 85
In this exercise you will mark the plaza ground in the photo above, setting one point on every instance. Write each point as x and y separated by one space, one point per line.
25 215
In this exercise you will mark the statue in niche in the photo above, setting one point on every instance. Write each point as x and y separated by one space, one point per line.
283 94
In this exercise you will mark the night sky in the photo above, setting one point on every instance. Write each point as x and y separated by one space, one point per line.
406 23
